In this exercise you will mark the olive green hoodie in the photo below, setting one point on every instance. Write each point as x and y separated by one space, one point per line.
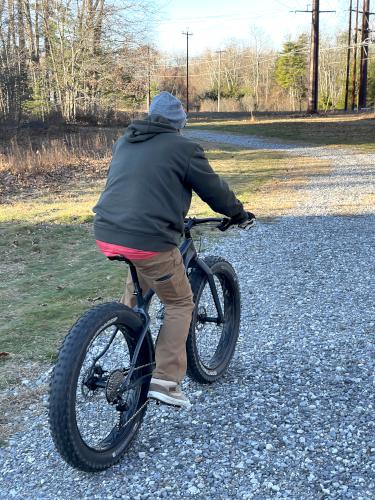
153 171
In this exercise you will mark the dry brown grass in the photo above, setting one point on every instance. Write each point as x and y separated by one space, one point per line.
285 191
31 160
48 155
33 151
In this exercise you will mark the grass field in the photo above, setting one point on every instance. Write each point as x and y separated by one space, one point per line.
52 271
357 131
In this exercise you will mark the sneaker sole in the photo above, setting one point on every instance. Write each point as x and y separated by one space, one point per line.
168 400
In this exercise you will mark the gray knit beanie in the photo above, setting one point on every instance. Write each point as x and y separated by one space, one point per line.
168 106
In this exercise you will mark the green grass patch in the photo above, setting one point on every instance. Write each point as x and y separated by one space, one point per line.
52 274
340 130
71 203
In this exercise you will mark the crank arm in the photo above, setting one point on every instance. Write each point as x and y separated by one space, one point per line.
208 319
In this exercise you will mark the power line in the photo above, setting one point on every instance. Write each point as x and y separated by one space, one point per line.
211 60
283 4
231 17
261 60
266 59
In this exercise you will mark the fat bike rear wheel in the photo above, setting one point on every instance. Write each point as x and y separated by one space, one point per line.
92 422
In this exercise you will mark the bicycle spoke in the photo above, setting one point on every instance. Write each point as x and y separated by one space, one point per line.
108 345
98 421
210 331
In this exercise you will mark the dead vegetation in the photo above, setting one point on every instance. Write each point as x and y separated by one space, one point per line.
35 159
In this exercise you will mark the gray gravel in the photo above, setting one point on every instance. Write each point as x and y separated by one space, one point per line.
347 190
294 416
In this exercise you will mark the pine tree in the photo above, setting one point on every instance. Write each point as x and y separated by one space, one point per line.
291 69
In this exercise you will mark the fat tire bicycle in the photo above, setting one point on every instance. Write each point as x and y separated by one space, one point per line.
99 385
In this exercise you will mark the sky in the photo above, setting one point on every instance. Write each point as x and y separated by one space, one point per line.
215 22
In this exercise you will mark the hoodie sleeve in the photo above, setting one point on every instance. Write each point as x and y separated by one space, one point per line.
211 187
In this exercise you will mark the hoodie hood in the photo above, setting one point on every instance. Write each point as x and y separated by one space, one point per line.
143 130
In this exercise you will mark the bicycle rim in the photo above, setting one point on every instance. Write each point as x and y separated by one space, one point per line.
100 424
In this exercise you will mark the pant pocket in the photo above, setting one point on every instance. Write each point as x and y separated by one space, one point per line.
172 289
164 278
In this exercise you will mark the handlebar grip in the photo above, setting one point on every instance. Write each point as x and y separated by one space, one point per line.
248 224
224 224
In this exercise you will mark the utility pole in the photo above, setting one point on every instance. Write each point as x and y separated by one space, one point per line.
148 79
312 105
348 57
187 67
354 74
364 54
219 81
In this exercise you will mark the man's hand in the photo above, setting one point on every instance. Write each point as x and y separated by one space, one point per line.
249 222
243 221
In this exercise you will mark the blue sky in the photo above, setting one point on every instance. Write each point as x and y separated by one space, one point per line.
215 22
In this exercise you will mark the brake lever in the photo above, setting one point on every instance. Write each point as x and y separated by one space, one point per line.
224 224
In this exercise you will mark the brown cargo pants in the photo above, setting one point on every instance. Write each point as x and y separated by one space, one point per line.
166 275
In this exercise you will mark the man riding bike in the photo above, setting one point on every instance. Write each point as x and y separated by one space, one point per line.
140 215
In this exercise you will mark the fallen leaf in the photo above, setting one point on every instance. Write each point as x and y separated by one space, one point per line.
94 299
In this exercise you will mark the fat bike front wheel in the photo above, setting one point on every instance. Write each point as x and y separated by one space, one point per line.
210 345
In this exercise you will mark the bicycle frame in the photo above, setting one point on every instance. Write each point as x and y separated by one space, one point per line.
190 259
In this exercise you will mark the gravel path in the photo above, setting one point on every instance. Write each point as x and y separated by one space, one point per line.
350 188
294 416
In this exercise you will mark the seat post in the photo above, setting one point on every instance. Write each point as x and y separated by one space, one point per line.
133 272
137 288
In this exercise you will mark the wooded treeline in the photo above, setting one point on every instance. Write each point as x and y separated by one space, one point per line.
257 78
65 57
87 60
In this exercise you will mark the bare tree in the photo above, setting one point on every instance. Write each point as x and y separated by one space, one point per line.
60 54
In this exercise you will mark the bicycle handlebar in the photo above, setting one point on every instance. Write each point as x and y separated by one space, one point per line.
194 221
224 223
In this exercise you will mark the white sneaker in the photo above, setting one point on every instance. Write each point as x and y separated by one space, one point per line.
167 392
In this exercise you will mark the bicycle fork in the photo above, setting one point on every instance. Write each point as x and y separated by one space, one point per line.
210 277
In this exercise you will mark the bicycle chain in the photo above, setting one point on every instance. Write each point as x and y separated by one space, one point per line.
135 414
144 366
142 406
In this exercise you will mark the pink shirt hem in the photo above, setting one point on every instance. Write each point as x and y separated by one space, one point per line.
110 250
